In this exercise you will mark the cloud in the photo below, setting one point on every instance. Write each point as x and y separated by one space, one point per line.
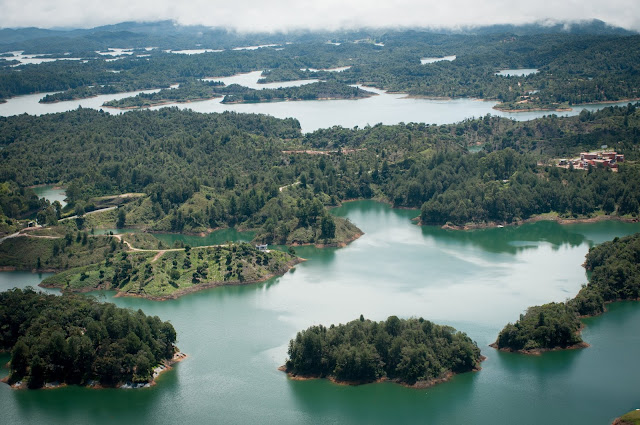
283 15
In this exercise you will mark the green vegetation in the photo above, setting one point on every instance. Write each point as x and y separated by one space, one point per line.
615 276
77 340
150 270
591 65
168 274
313 91
631 418
81 92
413 352
188 91
202 90
75 249
144 241
205 171
553 325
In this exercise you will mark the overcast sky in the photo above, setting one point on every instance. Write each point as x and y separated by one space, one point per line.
282 15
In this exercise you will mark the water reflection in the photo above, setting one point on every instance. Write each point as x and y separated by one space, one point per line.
386 403
510 239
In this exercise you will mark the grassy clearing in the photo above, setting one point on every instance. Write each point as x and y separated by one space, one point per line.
144 241
174 272
74 250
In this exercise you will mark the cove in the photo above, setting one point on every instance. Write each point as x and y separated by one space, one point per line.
51 194
476 281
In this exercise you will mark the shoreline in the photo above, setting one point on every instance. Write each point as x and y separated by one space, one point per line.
298 100
539 109
580 345
417 385
166 365
568 109
535 219
163 103
540 351
340 244
180 292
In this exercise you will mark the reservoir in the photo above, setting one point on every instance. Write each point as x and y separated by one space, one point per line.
385 108
521 72
51 194
476 281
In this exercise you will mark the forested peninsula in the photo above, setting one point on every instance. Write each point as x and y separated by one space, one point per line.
85 263
412 352
615 276
57 340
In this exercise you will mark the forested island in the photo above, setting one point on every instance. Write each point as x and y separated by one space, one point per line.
615 276
412 352
57 340
234 93
315 91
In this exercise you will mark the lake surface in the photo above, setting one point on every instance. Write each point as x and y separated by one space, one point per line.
34 59
476 281
425 61
51 194
29 104
521 72
385 108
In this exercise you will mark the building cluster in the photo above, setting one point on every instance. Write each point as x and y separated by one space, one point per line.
608 159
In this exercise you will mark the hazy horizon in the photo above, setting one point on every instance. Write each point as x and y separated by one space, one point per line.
330 15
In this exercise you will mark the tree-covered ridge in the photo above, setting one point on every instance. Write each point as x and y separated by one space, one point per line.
77 340
615 276
411 351
203 171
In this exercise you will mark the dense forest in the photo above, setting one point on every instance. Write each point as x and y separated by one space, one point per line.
411 351
202 171
77 340
615 276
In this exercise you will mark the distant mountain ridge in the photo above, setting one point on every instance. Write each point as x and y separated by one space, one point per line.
170 34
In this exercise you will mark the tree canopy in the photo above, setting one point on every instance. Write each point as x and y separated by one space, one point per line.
75 339
409 351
